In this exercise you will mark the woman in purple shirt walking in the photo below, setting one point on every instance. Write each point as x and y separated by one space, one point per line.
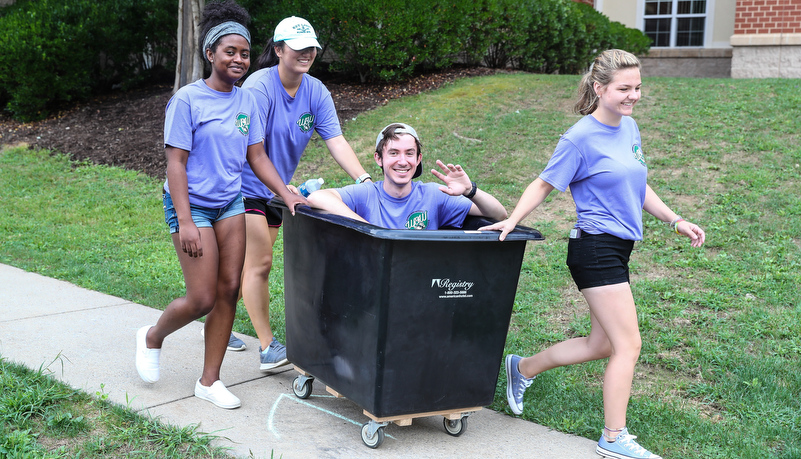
600 158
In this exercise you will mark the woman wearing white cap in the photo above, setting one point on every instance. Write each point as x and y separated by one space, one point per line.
293 105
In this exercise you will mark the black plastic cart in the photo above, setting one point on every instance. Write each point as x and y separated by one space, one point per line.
404 323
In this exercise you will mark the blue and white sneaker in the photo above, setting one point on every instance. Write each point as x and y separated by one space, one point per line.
624 447
516 384
234 343
273 357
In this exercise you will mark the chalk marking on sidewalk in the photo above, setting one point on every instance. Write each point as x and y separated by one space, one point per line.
274 408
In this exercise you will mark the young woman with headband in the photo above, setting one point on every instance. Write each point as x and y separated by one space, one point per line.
211 129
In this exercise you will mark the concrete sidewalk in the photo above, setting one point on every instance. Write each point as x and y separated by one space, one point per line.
87 339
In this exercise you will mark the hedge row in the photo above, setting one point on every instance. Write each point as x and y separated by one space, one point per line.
60 51
393 39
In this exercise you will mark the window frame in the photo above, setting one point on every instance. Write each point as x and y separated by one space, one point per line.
674 19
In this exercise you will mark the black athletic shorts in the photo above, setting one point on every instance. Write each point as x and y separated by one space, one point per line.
260 207
598 259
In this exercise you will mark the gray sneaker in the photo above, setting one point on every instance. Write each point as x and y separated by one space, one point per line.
516 384
234 343
273 357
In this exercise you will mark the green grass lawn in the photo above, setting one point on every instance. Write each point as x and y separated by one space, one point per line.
44 418
721 325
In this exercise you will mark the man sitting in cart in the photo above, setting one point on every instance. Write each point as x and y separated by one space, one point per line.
397 202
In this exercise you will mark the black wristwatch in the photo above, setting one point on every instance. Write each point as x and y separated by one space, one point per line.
472 191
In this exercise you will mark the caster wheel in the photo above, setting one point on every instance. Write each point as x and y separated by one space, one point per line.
302 389
455 427
375 440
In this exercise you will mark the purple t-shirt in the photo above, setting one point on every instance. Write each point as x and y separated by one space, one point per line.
216 129
605 168
289 123
426 207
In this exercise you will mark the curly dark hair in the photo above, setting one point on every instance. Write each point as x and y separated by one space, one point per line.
215 13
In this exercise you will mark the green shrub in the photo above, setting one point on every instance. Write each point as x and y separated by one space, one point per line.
264 16
496 38
44 61
141 45
592 33
632 40
551 36
60 51
4 10
388 40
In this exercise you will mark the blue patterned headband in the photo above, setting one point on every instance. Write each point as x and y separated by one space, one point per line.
226 28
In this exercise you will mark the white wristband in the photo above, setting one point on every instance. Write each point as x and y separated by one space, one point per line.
363 177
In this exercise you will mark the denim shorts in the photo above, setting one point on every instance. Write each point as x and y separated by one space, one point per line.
204 217
596 260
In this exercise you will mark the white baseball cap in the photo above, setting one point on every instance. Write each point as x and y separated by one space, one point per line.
297 33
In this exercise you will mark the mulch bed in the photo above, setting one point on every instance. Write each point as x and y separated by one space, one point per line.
126 129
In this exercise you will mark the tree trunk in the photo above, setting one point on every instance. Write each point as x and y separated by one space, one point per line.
188 66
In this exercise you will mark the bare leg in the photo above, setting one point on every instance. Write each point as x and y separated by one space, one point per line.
256 275
576 350
615 334
231 243
614 307
200 277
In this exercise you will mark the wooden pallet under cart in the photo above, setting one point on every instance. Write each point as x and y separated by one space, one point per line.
454 421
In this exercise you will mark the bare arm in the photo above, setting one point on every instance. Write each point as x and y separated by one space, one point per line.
331 201
654 206
343 154
485 204
265 171
188 233
535 193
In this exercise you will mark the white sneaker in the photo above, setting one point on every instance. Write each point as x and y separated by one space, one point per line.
147 360
217 394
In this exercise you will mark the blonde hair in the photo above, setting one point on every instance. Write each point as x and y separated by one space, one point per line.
602 71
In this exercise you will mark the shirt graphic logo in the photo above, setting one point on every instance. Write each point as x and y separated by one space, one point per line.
306 122
243 123
638 154
417 220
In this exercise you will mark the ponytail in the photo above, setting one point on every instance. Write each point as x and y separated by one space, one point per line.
587 99
268 57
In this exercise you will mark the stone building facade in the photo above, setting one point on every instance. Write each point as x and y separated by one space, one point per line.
767 39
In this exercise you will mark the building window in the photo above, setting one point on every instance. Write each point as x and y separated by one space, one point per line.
675 23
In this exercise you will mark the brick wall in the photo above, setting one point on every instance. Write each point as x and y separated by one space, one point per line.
767 16
767 39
